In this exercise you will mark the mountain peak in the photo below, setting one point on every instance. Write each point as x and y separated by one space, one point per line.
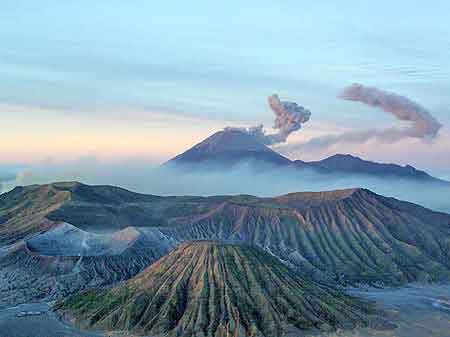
229 146
231 139
344 156
322 196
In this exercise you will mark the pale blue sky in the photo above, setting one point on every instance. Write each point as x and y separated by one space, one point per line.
213 63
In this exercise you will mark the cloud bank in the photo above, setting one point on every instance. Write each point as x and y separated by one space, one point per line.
244 178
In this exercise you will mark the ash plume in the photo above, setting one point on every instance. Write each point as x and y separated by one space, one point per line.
422 124
289 118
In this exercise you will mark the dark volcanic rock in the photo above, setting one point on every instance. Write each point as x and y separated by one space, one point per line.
65 260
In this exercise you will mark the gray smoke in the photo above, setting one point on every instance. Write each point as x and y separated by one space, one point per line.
289 118
422 124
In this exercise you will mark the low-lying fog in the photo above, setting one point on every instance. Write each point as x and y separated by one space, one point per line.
242 179
416 311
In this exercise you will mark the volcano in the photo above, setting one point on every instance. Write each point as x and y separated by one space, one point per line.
208 288
228 147
233 146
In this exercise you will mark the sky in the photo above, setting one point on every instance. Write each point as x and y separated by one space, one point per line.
144 80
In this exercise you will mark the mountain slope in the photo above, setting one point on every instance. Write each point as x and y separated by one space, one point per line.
203 287
228 147
350 236
23 211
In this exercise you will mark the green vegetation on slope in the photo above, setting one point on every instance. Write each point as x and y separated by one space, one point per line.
23 211
203 287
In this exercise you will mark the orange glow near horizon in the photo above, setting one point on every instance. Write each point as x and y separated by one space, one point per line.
67 138
43 136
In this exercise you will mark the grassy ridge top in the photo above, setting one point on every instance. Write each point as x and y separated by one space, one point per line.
28 210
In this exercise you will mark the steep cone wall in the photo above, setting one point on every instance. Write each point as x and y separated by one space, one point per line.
207 288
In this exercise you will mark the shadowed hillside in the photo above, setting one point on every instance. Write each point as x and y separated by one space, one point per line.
207 288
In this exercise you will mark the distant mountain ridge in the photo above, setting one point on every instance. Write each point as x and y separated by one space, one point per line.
230 147
346 163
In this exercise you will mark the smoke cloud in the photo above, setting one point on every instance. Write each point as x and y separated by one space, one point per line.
422 124
289 118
